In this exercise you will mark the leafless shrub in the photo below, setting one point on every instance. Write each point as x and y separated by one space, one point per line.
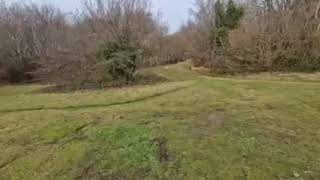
205 16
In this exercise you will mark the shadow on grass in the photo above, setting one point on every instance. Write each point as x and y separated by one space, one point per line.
97 105
140 79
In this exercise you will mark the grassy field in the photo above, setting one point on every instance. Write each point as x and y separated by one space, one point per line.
263 126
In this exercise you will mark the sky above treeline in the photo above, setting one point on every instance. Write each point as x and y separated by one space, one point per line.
174 12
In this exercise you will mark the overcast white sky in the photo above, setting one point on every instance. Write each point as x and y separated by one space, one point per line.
175 12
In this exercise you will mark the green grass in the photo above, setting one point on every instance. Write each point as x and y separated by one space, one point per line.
253 127
129 148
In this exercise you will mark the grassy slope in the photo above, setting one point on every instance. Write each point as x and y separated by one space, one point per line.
216 128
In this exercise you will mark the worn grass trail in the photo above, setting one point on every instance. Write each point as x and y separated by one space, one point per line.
194 127
98 105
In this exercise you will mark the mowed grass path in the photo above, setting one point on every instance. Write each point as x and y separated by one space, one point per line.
194 127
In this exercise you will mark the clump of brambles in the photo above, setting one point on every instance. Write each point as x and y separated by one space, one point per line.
118 61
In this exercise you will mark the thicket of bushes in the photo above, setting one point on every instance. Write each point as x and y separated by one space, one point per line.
263 35
281 37
108 40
